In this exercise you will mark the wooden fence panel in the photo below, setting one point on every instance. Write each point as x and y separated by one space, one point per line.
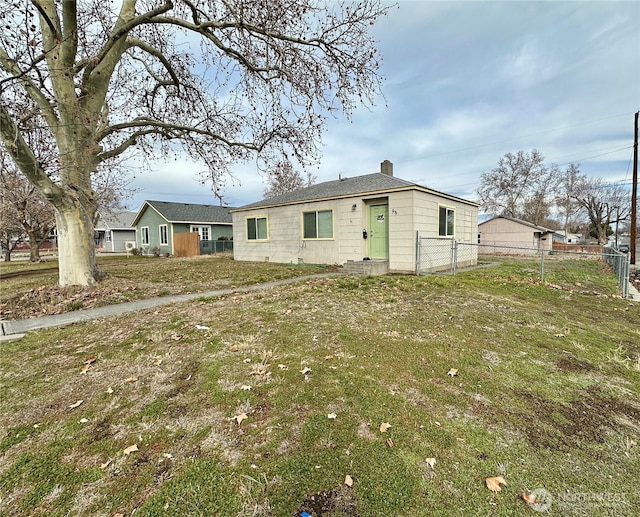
577 248
186 244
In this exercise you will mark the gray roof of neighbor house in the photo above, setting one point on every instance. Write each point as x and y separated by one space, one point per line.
346 187
188 212
520 221
116 220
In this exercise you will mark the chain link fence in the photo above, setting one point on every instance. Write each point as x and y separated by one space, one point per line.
580 270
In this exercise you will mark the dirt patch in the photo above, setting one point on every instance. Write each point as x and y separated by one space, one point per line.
558 426
574 365
340 501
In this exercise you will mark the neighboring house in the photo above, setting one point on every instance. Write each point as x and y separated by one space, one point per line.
374 217
505 233
568 238
114 231
158 222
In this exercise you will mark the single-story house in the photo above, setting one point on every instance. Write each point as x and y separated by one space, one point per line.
568 238
503 234
375 217
114 231
158 222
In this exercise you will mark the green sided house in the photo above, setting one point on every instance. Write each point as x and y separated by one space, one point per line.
158 222
361 221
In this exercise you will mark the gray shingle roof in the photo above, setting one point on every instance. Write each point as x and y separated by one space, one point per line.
520 221
191 213
116 220
344 187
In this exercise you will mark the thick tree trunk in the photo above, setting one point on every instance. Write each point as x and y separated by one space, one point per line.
7 256
76 249
34 249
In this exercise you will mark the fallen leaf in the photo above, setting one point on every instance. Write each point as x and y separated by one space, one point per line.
332 416
109 390
453 372
76 404
348 480
85 369
245 387
239 418
130 449
83 420
176 337
90 360
384 426
105 464
493 484
437 423
390 442
234 348
247 360
131 380
530 499
202 327
328 357
431 462
283 367
118 515
305 371
157 362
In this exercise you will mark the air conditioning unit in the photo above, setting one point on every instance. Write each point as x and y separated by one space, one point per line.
129 245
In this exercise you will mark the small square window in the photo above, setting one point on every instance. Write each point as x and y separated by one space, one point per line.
257 229
317 225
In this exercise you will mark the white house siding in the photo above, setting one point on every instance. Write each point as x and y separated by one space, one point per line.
285 243
403 210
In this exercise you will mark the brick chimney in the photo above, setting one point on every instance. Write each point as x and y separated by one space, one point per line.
386 167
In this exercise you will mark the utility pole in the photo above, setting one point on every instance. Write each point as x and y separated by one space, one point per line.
633 241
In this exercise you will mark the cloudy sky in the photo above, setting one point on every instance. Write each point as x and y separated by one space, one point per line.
467 82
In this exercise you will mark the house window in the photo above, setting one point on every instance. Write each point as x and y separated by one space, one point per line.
317 225
164 234
446 221
257 228
144 235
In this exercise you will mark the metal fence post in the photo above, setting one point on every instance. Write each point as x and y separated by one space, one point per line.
454 256
542 264
417 253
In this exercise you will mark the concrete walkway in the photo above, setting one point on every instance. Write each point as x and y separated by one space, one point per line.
16 329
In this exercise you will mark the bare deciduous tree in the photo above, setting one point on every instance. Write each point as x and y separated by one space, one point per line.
284 178
26 209
222 81
603 204
520 186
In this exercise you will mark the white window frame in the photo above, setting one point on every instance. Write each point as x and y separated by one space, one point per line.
257 237
316 212
144 236
447 210
163 233
203 231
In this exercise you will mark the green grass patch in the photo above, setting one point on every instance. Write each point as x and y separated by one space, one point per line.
238 418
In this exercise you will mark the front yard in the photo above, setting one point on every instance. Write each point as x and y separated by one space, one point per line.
339 396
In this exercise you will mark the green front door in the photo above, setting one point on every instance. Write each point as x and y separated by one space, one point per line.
379 232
